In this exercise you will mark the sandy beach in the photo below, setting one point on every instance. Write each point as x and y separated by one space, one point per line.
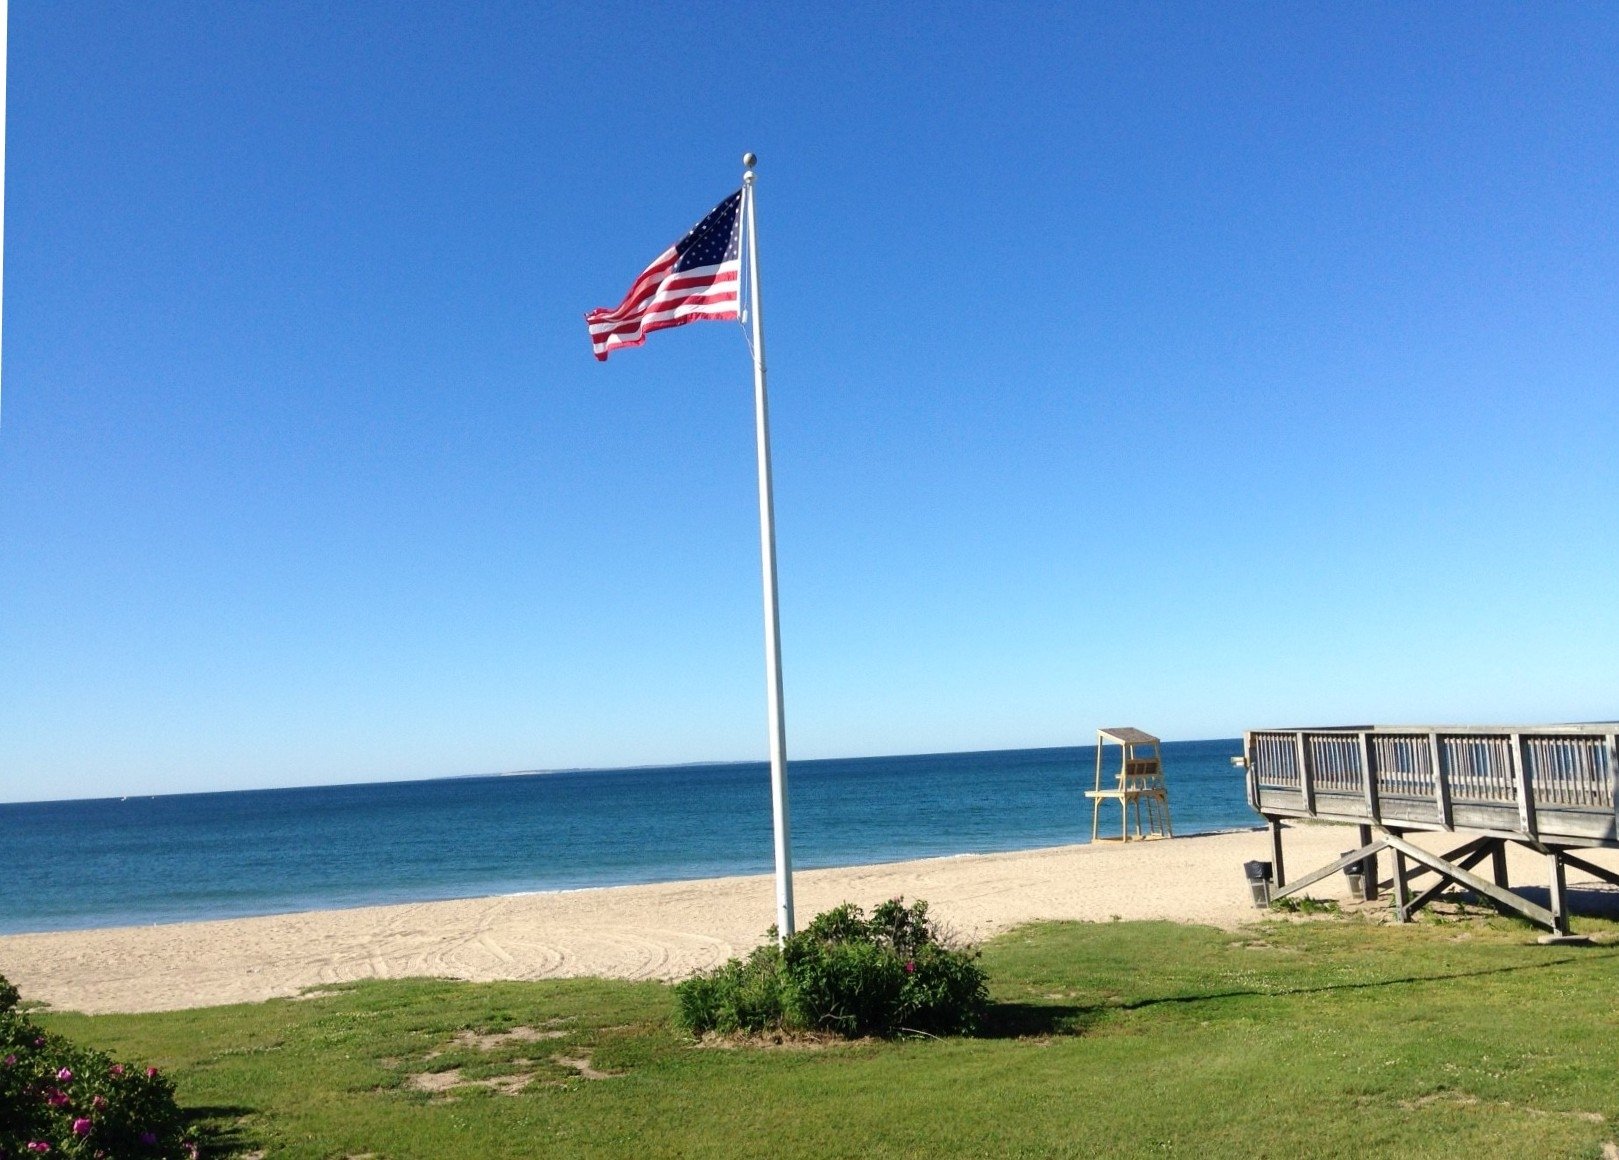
663 931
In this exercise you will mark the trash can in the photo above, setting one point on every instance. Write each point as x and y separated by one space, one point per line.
1258 881
1356 873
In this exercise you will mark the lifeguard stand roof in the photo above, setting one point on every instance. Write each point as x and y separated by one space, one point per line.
1128 735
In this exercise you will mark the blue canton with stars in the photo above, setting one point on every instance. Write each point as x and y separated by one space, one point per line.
715 239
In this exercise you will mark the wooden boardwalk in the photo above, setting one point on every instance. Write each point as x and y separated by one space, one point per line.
1551 788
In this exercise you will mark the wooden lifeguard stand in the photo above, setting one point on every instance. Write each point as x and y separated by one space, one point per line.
1139 789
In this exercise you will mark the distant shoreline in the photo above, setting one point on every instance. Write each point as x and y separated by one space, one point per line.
756 762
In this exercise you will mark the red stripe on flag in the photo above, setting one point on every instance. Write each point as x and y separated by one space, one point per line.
661 296
649 320
657 296
602 348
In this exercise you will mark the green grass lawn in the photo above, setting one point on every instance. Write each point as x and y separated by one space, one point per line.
1329 1037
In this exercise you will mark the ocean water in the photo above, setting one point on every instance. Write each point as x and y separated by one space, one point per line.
111 862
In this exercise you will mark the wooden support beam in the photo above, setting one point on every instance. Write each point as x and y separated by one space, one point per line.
1558 891
1505 899
1369 869
1498 864
1591 868
1328 870
1402 887
1473 858
1451 856
1278 877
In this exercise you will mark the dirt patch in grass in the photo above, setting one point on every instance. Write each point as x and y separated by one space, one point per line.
1458 1099
582 1066
434 1082
444 1083
506 1085
499 1038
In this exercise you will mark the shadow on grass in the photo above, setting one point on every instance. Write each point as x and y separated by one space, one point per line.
217 1129
1032 1020
1325 988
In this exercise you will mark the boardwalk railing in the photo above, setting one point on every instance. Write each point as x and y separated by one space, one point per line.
1544 782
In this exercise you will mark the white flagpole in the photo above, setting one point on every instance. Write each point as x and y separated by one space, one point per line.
5 22
767 551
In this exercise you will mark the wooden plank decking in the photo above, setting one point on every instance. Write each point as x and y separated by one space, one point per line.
1541 782
1551 788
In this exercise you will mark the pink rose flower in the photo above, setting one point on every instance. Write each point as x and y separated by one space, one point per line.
56 1098
151 1073
11 1061
118 1069
81 1126
910 967
38 1146
98 1103
65 1074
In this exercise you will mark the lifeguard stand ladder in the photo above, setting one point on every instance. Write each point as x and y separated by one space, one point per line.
1139 789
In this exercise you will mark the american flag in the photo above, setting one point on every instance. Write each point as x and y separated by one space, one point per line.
695 278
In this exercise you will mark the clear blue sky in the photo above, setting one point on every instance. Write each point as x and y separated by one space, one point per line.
1196 367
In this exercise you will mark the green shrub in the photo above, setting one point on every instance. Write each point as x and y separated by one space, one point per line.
742 995
61 1099
844 973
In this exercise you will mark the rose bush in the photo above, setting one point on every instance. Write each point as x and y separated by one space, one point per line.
60 1099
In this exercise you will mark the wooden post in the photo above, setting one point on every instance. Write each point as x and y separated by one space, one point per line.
1402 889
1613 771
1369 865
1306 778
1558 892
1278 878
1441 784
1251 776
1369 780
1526 796
1498 863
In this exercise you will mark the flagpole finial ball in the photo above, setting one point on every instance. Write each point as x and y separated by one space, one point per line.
749 160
